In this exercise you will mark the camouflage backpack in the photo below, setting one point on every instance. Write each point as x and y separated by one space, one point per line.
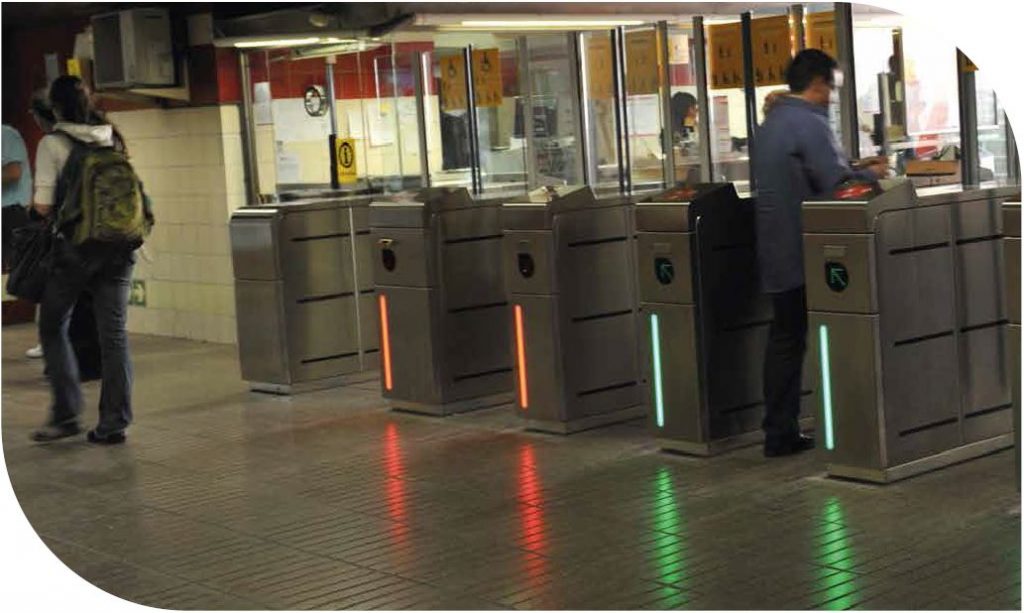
101 198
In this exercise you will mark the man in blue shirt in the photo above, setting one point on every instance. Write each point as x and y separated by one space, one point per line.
17 186
796 159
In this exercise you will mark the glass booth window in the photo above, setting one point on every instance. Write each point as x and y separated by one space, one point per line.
499 105
643 109
553 110
729 157
452 122
992 132
907 95
599 108
685 115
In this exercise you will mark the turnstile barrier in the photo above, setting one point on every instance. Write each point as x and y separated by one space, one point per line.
704 319
568 263
442 302
304 294
908 329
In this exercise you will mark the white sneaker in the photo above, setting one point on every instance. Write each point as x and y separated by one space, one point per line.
35 353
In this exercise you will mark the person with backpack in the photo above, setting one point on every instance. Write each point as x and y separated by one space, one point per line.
95 204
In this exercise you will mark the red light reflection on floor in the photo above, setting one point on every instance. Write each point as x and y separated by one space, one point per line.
395 494
533 529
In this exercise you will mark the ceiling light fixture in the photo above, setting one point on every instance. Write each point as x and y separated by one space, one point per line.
528 24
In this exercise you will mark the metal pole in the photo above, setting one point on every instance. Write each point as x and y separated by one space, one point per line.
667 145
252 177
970 171
331 95
622 120
333 138
750 95
796 24
420 78
583 128
849 125
474 138
526 95
398 127
703 106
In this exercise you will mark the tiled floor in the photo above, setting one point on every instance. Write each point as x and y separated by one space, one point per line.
227 499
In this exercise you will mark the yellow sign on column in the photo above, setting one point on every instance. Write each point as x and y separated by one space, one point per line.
642 62
599 66
345 160
772 49
453 83
725 46
821 32
487 77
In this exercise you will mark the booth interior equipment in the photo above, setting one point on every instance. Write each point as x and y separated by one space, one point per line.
908 327
704 318
568 260
443 307
304 294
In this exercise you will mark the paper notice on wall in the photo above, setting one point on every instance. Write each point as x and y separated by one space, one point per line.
262 113
644 115
355 121
292 123
380 115
288 167
408 126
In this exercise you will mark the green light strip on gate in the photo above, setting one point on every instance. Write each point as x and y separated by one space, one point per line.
826 385
659 402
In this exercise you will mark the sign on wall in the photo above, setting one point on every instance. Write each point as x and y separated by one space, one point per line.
642 62
345 160
453 83
487 77
599 66
821 32
772 49
725 46
487 83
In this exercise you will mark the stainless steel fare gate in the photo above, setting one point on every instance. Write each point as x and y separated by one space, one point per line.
704 320
568 262
304 294
442 303
908 329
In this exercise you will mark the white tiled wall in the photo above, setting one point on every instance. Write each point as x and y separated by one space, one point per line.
191 163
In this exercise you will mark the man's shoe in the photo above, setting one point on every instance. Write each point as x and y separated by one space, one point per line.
791 447
114 438
47 434
35 353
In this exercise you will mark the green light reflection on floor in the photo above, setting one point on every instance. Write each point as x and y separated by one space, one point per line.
836 588
669 554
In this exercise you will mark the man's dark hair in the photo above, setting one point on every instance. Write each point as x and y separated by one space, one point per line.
807 65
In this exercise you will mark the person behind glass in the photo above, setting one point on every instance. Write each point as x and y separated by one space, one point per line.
796 158
102 269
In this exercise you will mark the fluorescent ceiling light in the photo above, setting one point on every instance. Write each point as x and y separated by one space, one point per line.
548 23
292 42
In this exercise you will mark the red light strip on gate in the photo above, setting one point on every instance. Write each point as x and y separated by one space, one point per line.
521 357
385 338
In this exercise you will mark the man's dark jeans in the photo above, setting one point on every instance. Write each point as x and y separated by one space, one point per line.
106 274
783 363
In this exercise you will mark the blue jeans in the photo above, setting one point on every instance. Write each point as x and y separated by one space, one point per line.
106 275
